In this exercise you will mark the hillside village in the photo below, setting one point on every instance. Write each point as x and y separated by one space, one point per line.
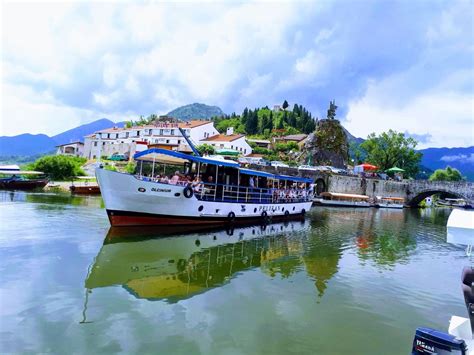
166 132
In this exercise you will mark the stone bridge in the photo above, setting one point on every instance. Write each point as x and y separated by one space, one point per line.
413 191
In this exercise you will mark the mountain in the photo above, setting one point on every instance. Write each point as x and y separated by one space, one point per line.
78 133
195 110
33 144
26 144
352 139
459 158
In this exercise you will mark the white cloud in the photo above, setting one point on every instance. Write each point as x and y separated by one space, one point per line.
445 116
460 157
83 60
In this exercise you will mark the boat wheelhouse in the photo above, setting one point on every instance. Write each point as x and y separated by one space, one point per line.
342 200
203 190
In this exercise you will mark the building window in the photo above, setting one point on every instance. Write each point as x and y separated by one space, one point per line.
103 143
245 151
172 132
231 147
95 144
179 141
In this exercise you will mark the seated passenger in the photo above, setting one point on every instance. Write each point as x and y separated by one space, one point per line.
174 180
164 179
197 184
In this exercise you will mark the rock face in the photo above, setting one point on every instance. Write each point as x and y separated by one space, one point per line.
327 145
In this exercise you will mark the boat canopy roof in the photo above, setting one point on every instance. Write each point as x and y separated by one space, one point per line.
273 176
339 195
166 156
20 172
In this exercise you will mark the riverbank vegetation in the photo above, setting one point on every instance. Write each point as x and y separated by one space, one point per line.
390 149
59 167
448 174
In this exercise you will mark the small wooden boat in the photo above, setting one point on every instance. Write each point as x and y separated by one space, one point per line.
390 202
342 200
85 188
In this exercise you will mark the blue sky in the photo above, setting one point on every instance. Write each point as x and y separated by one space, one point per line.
406 65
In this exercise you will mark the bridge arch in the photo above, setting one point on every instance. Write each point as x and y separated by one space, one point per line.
421 195
321 186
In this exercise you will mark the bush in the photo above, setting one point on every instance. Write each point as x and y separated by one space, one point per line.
59 167
130 167
448 174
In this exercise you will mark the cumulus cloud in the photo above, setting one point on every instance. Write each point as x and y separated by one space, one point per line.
462 158
89 60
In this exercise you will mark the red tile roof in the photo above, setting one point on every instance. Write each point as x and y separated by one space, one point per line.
223 138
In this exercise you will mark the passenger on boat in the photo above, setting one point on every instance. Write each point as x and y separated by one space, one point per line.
164 179
197 184
174 180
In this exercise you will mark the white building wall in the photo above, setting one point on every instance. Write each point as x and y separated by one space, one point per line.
240 145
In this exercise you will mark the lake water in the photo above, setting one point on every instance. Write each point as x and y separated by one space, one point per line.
343 281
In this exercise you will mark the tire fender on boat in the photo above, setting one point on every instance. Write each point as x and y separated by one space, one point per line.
188 192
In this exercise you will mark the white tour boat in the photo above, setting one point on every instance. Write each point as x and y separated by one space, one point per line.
342 200
390 202
224 193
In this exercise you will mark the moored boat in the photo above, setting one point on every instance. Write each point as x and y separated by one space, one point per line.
207 190
16 181
390 202
342 200
85 188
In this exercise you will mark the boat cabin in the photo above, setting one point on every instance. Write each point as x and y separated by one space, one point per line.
213 178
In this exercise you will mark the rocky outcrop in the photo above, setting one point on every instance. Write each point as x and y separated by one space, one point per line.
327 145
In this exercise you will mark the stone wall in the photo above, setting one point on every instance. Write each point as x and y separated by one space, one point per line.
410 190
369 187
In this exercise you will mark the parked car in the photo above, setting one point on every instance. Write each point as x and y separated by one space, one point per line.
262 162
244 161
279 164
118 157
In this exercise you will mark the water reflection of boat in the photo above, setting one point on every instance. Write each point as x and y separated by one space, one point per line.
179 267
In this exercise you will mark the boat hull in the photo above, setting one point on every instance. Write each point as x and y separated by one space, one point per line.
85 190
8 184
341 203
131 201
390 205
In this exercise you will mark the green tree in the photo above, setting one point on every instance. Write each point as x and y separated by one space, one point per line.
448 174
391 149
285 105
251 125
59 167
206 149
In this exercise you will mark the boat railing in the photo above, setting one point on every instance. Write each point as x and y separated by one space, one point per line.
245 194
239 194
